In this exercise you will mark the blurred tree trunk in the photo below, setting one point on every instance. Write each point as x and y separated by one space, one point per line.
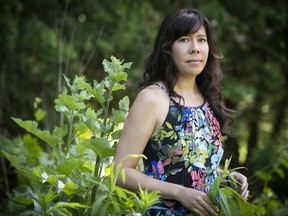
253 128
281 108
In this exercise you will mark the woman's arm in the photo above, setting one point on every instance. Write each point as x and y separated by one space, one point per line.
140 125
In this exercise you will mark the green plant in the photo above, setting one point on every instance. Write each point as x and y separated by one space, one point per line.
68 171
223 194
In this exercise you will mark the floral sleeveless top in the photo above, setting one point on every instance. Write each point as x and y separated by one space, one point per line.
186 150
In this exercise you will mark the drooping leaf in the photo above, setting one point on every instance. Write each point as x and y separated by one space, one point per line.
32 127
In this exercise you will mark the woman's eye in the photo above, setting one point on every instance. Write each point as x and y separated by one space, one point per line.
202 39
183 40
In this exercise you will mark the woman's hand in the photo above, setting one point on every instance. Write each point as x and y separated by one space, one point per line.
244 184
198 202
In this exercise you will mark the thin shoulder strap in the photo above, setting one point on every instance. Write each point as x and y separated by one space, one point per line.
162 87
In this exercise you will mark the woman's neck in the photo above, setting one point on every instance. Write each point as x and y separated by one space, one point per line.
189 90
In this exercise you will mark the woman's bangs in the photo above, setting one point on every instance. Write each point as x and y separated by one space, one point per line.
187 24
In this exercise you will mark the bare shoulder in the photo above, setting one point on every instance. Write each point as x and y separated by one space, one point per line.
152 94
150 107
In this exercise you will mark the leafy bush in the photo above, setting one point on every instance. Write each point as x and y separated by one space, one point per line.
69 171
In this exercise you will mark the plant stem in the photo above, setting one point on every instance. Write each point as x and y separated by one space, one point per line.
106 110
93 194
69 139
97 161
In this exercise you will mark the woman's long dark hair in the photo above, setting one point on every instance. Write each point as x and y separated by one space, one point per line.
159 65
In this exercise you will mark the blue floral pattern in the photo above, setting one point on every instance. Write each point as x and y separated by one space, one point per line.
187 150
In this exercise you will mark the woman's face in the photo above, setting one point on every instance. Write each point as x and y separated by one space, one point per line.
190 53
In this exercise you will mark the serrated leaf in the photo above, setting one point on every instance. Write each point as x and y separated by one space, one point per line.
32 127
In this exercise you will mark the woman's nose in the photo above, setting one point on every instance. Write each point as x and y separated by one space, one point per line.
194 48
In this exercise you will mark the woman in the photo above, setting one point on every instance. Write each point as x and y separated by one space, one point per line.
178 118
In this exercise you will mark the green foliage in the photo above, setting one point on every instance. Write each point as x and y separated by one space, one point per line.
68 171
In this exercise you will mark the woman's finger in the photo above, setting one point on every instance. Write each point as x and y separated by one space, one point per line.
209 207
245 197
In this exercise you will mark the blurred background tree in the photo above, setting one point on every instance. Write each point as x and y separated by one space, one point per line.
42 40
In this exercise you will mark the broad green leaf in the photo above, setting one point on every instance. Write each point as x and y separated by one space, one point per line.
68 165
101 146
121 76
32 127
